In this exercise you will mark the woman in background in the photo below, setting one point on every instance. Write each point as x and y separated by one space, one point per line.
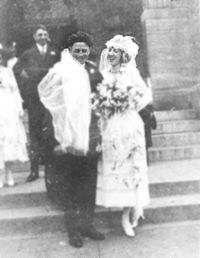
12 132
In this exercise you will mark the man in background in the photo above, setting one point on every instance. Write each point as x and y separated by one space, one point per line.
30 68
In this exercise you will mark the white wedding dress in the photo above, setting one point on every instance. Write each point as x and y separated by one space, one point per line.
12 132
122 170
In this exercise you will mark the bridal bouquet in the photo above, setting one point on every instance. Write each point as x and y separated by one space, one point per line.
110 99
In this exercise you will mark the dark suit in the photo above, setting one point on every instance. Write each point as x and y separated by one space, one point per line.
71 179
147 116
147 112
36 66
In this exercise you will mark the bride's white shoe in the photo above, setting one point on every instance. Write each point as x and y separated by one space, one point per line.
1 178
134 218
9 178
1 182
127 226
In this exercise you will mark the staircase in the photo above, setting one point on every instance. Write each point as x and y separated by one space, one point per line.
175 196
177 136
174 175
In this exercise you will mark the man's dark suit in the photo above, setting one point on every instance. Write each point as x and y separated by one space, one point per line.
36 66
71 178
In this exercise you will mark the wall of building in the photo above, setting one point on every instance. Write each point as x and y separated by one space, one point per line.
172 31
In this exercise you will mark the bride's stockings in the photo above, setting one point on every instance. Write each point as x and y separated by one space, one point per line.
134 217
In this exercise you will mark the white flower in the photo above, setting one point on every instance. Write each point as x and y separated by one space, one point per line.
103 91
92 71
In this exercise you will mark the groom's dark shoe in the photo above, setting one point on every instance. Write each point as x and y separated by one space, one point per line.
91 232
75 239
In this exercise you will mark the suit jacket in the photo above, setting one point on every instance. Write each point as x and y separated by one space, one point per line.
49 141
36 66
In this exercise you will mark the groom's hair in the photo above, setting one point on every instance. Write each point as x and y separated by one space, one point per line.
39 26
5 54
79 36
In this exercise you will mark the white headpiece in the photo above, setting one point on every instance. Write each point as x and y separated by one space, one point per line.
125 43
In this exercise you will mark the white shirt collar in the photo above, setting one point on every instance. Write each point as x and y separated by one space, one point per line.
42 49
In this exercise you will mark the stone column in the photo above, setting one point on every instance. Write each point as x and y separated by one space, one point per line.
170 33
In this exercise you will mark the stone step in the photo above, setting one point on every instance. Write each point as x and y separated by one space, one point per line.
174 153
25 200
177 126
162 210
40 198
165 178
34 220
176 139
174 208
25 208
21 166
42 219
170 115
174 178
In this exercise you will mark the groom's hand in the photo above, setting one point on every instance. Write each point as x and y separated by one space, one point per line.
74 151
58 150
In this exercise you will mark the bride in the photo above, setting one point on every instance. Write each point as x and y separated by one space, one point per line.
122 170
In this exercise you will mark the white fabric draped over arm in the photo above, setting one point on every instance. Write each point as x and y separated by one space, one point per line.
65 92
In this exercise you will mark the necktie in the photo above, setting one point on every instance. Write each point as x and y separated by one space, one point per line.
43 52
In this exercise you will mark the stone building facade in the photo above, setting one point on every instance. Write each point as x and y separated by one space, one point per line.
173 40
168 32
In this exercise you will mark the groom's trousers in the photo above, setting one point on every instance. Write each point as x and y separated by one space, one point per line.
76 186
81 189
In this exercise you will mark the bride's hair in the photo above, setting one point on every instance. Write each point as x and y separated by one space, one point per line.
125 57
79 36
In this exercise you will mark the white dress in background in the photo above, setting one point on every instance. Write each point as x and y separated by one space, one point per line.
12 133
122 170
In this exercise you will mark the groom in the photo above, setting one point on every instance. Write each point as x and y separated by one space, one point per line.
69 176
